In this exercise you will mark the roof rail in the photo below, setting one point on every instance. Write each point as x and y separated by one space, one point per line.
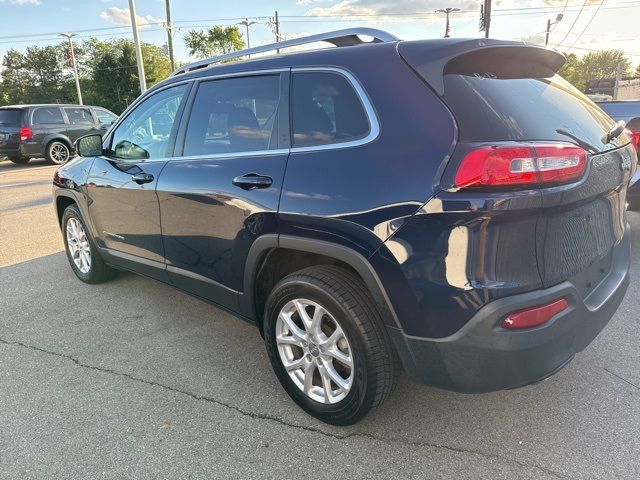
339 38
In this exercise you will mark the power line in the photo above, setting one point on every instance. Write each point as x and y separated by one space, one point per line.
586 26
573 24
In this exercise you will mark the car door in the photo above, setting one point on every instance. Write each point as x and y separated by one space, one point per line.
123 205
81 122
45 121
222 191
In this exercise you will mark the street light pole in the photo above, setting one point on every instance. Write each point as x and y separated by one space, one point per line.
447 11
136 40
170 35
73 63
548 31
247 24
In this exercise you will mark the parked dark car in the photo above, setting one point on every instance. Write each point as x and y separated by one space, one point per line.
629 112
452 206
33 131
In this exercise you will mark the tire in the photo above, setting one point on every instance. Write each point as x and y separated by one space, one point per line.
19 160
57 153
348 305
97 271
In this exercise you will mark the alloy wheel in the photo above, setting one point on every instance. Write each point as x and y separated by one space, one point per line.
314 351
78 245
59 153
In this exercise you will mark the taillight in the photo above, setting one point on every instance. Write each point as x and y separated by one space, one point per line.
635 139
496 166
25 134
534 316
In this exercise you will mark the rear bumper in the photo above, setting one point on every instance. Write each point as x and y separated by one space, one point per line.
10 152
483 357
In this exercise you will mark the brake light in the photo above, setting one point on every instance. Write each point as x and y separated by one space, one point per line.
534 316
635 140
521 165
25 134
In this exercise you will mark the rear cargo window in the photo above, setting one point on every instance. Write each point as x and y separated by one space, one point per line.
325 110
10 117
489 107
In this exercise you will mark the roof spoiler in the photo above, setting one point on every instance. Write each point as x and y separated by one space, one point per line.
432 59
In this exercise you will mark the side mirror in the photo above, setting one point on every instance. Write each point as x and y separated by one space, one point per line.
89 146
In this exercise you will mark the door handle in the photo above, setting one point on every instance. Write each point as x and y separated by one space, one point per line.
142 177
252 180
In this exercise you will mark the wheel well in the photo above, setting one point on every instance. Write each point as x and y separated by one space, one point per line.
280 262
61 204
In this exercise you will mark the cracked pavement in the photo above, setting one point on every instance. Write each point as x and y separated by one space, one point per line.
132 379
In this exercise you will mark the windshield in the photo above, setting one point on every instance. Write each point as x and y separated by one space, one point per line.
520 109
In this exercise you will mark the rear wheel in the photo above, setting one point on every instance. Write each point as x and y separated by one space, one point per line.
57 153
327 344
82 254
20 160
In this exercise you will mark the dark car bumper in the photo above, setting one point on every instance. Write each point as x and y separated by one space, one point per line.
484 357
10 152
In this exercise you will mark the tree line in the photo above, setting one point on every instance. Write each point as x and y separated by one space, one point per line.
107 69
109 76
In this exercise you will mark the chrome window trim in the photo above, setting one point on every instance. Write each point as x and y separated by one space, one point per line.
372 117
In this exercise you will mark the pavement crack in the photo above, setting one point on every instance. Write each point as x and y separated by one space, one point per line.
273 418
621 378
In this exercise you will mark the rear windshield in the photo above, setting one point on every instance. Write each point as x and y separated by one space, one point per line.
10 117
489 108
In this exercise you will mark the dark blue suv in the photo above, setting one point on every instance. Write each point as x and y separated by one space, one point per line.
450 206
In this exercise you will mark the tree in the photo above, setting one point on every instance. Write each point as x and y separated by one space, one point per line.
603 64
215 41
572 71
637 72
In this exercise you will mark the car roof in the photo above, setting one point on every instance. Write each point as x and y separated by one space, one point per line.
33 105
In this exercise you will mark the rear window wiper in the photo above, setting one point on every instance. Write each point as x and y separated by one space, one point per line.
579 141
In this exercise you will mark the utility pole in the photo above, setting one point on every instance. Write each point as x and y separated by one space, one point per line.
485 17
616 85
549 23
274 24
170 35
447 11
73 63
136 40
247 24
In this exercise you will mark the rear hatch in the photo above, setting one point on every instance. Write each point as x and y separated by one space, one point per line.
10 122
508 96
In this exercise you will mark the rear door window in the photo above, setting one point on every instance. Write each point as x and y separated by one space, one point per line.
325 110
47 116
10 117
79 116
234 115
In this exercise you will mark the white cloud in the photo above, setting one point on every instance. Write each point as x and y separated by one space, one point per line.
122 16
21 2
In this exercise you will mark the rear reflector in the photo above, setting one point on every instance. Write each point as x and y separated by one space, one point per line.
25 134
496 166
534 316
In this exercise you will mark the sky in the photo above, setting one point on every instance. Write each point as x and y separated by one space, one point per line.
586 25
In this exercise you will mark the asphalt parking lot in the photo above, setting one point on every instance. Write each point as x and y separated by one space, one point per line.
132 379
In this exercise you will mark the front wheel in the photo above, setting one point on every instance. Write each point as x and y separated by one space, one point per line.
82 254
327 344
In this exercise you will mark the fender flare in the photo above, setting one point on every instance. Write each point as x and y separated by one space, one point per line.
263 245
